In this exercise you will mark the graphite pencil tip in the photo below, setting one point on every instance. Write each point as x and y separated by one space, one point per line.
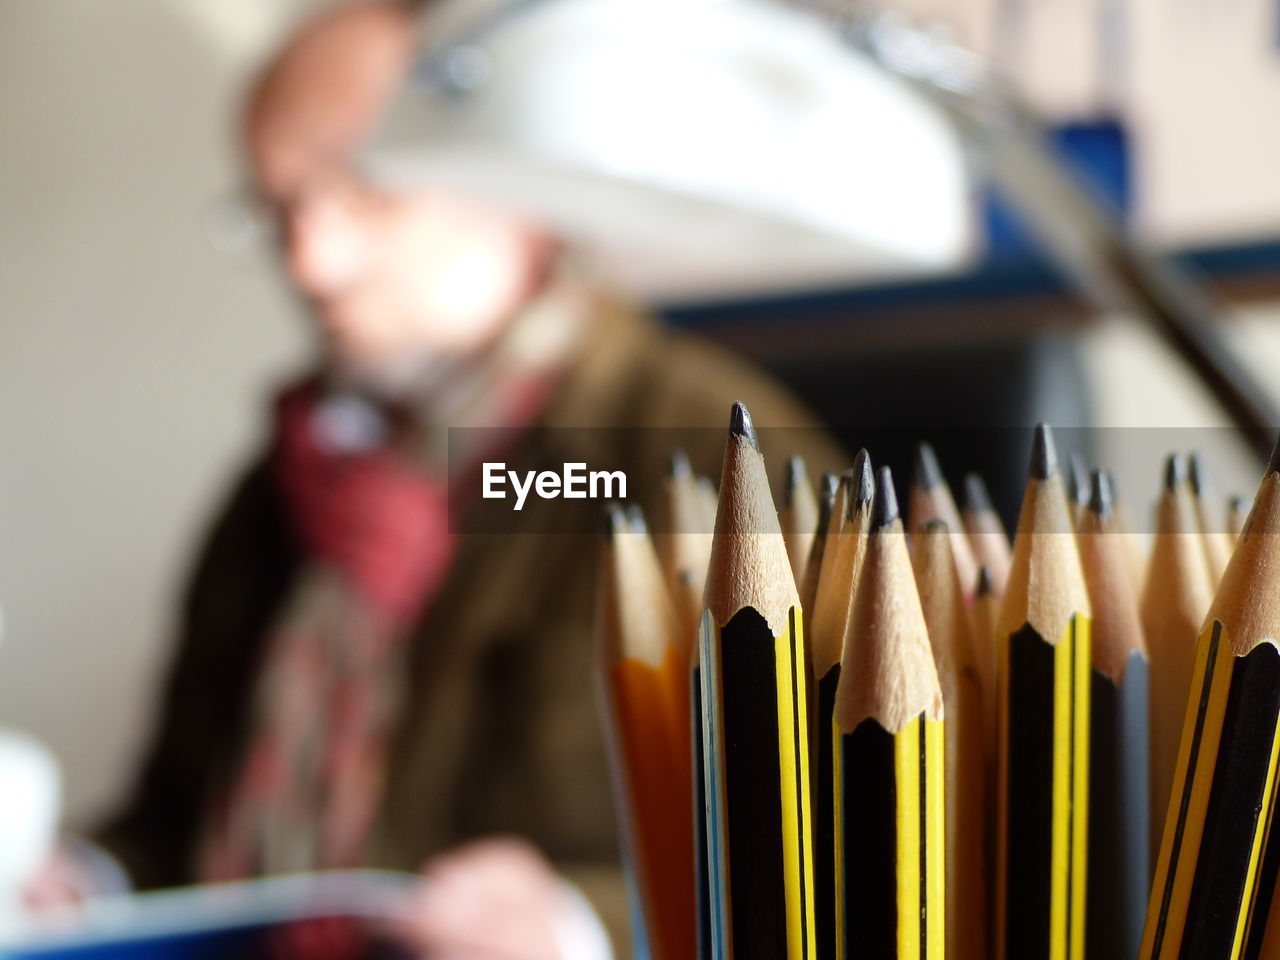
636 522
884 508
827 499
1100 493
1273 466
986 586
1044 459
927 472
612 521
976 497
680 465
796 475
864 479
740 425
1078 479
1175 471
1196 474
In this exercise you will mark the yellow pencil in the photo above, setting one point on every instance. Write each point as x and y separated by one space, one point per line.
1175 599
947 620
1043 729
840 574
890 761
1204 899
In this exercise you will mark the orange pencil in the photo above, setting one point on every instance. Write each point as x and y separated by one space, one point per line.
644 679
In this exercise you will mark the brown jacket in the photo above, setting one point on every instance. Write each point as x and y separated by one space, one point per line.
501 733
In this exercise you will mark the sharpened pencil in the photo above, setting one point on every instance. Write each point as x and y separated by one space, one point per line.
930 499
1217 547
846 541
947 620
841 571
643 674
799 515
755 722
890 760
684 546
1205 896
1135 546
1119 788
1175 599
987 535
830 517
1043 729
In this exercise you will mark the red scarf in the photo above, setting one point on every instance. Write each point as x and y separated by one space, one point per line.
375 530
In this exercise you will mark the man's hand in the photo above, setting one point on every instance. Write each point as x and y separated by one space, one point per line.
489 900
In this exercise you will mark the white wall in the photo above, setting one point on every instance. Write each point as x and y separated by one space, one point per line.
132 359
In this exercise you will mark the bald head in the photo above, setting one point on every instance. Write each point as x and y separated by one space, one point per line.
322 95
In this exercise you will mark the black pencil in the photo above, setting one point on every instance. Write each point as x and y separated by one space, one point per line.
1043 729
1206 899
1119 788
891 761
755 722
836 597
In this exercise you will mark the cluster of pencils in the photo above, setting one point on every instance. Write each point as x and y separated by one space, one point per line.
846 732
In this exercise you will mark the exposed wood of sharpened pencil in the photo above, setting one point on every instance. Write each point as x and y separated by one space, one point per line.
840 565
984 614
1175 598
1215 873
890 760
830 519
930 499
987 535
684 545
840 572
755 722
1119 788
1043 728
643 676
799 515
947 620
1217 547
1136 552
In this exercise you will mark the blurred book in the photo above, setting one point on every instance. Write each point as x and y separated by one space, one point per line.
324 916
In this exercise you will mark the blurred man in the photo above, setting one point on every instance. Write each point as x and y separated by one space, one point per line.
356 684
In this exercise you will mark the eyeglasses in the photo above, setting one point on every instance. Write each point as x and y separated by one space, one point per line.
243 225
